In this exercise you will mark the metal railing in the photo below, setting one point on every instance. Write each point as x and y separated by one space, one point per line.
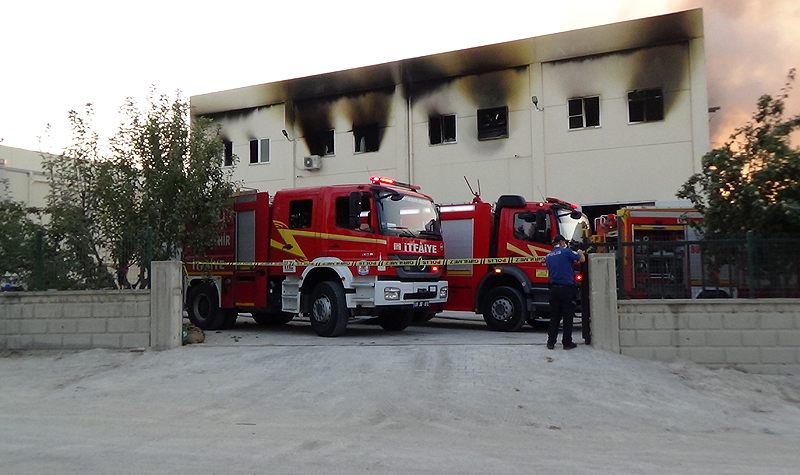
737 268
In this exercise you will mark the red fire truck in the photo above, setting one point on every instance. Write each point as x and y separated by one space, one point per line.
331 253
507 294
660 253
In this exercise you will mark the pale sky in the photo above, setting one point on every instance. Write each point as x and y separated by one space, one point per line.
58 55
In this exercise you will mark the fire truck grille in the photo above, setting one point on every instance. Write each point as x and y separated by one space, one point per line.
415 272
422 294
424 268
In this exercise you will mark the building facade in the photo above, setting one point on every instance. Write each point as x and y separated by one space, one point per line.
22 178
602 116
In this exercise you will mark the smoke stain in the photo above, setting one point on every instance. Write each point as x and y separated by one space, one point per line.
370 108
494 89
314 119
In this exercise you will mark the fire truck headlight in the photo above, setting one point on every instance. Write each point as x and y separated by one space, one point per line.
443 292
391 293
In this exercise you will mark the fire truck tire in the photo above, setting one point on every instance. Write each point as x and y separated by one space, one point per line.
504 309
328 312
395 321
270 318
203 308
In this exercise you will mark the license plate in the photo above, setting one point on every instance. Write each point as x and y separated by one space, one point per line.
420 304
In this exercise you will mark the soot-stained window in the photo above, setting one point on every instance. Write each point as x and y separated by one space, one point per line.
366 138
300 214
442 129
584 112
493 123
259 151
645 105
227 159
321 143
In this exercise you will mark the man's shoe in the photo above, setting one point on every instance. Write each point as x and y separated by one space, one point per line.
551 347
569 346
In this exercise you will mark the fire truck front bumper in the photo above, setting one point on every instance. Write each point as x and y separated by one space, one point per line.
415 294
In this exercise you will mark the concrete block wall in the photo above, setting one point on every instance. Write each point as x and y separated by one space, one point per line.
759 336
75 319
96 319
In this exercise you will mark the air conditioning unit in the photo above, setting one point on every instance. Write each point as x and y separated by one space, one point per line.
312 162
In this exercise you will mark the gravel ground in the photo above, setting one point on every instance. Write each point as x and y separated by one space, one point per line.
446 397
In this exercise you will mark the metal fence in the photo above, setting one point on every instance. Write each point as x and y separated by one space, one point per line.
37 266
736 268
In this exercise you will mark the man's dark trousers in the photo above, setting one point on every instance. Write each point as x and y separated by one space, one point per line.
562 306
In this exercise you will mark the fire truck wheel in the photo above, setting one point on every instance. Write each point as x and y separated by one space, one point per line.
504 309
329 312
203 307
272 318
396 320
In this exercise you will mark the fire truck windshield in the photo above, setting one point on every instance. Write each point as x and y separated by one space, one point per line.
570 227
410 216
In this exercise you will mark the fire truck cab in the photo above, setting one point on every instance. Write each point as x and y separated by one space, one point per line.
507 295
337 247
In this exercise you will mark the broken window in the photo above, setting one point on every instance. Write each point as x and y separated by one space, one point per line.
442 129
645 105
259 151
584 112
227 160
366 138
321 143
493 123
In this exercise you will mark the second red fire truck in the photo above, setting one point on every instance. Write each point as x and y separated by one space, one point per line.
508 294
332 253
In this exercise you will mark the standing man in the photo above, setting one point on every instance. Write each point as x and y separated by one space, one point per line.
563 291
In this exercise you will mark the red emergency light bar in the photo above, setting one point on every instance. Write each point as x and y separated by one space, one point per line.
385 180
557 201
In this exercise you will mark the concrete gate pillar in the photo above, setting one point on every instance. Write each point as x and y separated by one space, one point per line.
166 305
603 302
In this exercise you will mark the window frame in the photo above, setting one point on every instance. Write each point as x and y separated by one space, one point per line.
583 114
372 127
259 149
299 216
483 129
227 153
644 104
440 123
332 141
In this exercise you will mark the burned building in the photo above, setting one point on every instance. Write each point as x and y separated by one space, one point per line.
598 116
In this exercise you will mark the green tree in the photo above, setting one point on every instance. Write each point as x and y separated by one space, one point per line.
159 188
17 233
74 243
163 187
752 182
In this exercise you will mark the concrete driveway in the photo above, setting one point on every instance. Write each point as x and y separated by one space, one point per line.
447 397
449 328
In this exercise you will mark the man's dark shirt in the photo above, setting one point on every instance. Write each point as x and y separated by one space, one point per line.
559 265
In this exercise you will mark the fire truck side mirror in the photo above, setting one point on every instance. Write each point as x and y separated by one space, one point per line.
354 212
575 214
